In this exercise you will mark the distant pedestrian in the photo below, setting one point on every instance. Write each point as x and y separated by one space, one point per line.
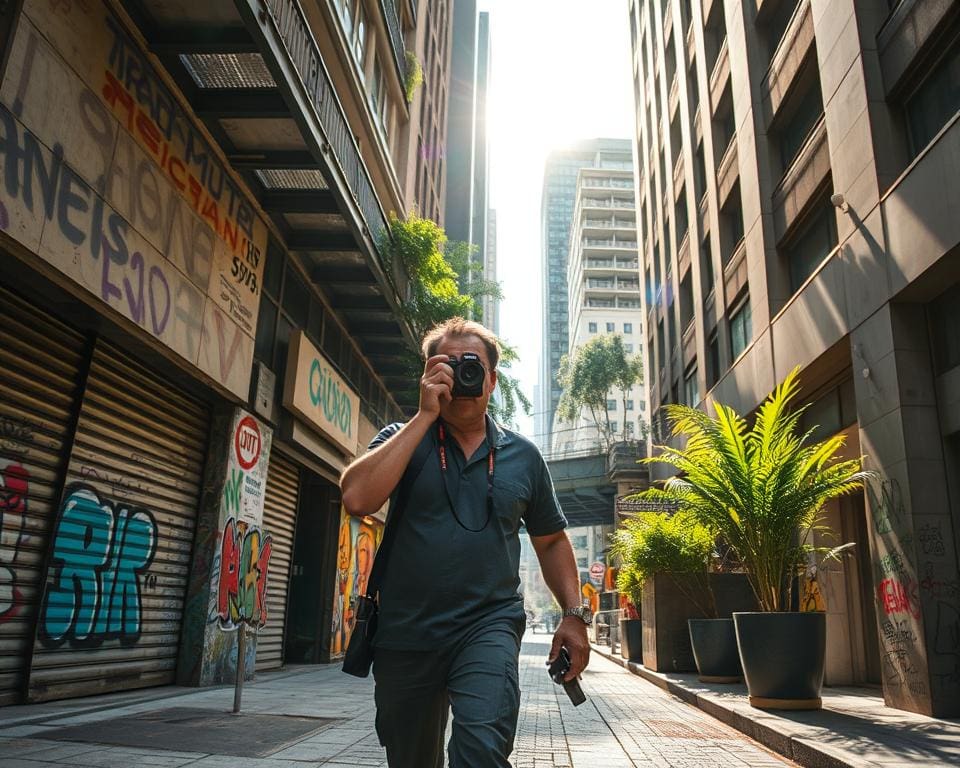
450 613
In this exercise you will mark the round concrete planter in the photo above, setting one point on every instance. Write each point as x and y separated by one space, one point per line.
714 643
783 658
631 639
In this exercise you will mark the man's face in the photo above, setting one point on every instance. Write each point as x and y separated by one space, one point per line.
467 407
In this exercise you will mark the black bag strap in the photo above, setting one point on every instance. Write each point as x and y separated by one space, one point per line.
410 475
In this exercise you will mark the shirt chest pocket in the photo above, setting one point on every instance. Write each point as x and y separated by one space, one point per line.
511 501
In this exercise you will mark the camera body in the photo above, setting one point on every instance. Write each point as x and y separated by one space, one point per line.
468 374
559 668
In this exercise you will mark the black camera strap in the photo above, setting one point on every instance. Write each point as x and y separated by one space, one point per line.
491 464
395 513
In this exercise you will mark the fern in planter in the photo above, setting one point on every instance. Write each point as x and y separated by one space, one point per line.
672 544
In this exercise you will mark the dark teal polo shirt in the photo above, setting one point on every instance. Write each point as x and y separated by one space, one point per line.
442 579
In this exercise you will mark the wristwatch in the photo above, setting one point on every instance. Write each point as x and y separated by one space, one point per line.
581 612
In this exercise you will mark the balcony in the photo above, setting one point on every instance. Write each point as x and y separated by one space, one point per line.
727 172
252 71
615 243
389 10
791 52
720 75
607 183
802 180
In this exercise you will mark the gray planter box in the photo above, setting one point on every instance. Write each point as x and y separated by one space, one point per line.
666 637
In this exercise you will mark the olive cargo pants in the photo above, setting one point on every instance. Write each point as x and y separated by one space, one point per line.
477 679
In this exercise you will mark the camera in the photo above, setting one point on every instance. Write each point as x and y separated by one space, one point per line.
559 668
468 374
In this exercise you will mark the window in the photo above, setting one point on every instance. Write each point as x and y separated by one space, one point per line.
935 101
360 37
611 327
581 562
731 224
629 405
706 266
614 427
661 354
671 328
628 327
814 241
611 405
628 427
345 9
798 120
713 360
378 97
579 542
686 301
944 313
592 327
699 173
691 392
628 348
741 328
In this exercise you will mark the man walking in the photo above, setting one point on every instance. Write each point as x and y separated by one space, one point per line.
450 614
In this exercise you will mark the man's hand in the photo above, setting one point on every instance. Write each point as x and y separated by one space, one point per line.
436 385
572 635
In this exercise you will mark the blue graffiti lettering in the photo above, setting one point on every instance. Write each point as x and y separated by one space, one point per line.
99 552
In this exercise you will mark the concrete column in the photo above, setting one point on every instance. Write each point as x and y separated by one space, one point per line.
913 547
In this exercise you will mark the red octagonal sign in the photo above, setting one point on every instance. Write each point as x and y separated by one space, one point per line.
247 443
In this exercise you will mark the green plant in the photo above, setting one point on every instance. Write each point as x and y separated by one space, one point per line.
676 545
445 281
412 76
761 487
589 373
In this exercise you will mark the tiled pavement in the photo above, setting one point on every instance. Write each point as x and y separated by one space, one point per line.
625 722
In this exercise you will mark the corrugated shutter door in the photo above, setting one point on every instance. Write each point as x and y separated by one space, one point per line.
120 552
40 364
279 518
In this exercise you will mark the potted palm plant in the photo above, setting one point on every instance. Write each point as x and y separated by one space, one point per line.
661 552
762 489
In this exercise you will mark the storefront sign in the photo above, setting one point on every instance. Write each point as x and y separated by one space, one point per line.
247 469
316 393
597 570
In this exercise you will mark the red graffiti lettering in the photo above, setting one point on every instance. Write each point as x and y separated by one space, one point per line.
897 597
244 562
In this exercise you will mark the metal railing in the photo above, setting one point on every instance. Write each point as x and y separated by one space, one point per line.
392 18
294 32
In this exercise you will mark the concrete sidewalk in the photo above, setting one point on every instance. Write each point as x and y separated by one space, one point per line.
854 728
625 722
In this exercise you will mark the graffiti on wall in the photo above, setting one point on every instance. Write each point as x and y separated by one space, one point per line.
107 178
359 539
242 586
14 495
100 552
16 436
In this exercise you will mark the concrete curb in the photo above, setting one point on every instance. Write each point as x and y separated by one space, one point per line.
799 742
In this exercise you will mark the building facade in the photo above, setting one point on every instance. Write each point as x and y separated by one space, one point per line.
604 297
556 216
797 161
198 328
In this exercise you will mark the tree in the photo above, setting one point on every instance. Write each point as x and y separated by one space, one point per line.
445 282
589 373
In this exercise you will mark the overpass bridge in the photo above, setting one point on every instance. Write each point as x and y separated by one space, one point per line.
587 482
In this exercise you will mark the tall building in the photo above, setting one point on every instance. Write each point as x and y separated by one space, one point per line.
468 168
491 306
422 151
798 163
556 215
461 117
604 297
198 329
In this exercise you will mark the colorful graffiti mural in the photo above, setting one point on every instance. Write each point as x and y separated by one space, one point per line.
100 552
359 539
244 562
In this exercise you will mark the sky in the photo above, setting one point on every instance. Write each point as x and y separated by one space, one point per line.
560 72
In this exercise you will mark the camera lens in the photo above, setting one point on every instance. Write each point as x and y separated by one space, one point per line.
470 373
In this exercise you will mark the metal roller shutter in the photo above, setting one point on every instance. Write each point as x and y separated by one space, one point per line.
40 370
121 549
279 519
